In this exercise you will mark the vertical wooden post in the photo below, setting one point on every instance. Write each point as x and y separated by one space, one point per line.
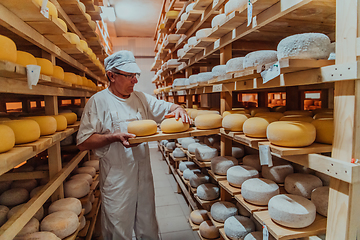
188 72
262 99
26 105
324 98
292 98
83 102
189 102
225 54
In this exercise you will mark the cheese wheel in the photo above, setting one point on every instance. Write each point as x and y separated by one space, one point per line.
225 113
198 179
278 171
92 163
47 124
47 67
31 227
82 7
40 236
234 122
61 122
220 165
76 188
170 145
320 197
73 38
3 214
61 223
237 227
256 126
292 211
198 216
89 170
142 127
238 152
235 64
305 46
5 185
192 41
70 77
291 134
256 110
25 130
87 206
219 70
28 184
218 20
204 76
7 140
62 23
234 5
242 210
14 196
70 117
192 80
38 215
172 14
8 51
187 173
52 10
178 153
203 33
58 72
296 118
220 211
254 236
208 230
183 18
302 184
171 125
82 222
66 204
261 57
252 160
324 130
298 112
259 191
84 176
205 153
186 142
323 115
186 165
25 58
208 191
208 121
238 174
179 82
276 115
189 7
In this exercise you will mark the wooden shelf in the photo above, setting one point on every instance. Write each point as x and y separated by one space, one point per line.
249 141
205 204
193 226
216 177
75 234
290 151
230 189
222 234
202 238
248 206
217 224
202 4
201 163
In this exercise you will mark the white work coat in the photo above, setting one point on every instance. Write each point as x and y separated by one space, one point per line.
126 181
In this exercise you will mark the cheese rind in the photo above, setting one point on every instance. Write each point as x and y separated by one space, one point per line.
208 121
198 216
259 191
257 58
252 160
76 188
47 124
234 5
220 211
88 170
238 174
186 165
302 184
235 64
234 122
142 127
61 122
61 223
320 197
25 58
46 66
69 204
278 171
84 176
7 140
238 151
171 125
92 163
205 153
220 165
218 20
187 173
208 191
203 33
198 179
254 236
237 227
70 117
14 196
31 227
25 130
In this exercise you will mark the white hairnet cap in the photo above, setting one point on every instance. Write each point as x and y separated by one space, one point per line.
122 60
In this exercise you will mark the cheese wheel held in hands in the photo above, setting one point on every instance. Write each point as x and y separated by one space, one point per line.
171 125
142 127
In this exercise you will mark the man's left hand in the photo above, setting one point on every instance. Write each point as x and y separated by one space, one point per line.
180 112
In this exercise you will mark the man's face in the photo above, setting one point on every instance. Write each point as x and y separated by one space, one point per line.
123 82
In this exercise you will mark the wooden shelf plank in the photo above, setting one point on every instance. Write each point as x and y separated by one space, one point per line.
251 142
193 226
223 235
205 204
230 189
217 224
248 206
202 238
216 177
14 157
184 27
201 163
42 143
290 151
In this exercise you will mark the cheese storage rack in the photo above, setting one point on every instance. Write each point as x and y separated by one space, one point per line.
339 80
44 37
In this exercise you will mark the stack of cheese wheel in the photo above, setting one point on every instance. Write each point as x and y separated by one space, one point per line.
235 64
222 210
8 50
259 191
302 184
238 174
61 122
7 140
172 125
142 127
324 130
25 130
187 173
237 227
234 122
219 70
237 151
261 57
198 216
256 126
278 171
208 121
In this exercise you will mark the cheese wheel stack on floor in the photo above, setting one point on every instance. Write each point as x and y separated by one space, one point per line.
302 184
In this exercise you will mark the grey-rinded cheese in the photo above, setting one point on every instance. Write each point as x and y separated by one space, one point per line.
208 230
220 211
254 236
235 64
234 5
69 204
301 184
187 173
219 70
61 223
76 188
92 163
238 174
278 171
163 142
82 222
28 184
220 165
205 153
89 170
252 160
3 214
31 227
170 145
193 146
259 191
208 191
178 153
218 20
203 33
237 227
84 176
189 7
173 37
5 185
256 58
186 142
38 215
14 196
198 216
320 197
193 78
237 152
204 76
198 179
186 165
87 206
192 41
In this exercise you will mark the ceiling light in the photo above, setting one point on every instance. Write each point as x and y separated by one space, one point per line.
108 13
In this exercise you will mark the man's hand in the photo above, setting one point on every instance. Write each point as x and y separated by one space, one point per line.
123 138
179 112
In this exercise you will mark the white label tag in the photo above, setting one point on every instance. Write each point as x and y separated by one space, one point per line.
265 233
249 13
265 155
182 92
44 10
271 73
332 56
217 44
217 88
33 75
254 22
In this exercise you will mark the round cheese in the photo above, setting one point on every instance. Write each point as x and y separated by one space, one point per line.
164 142
252 160
52 10
187 173
208 191
7 140
61 122
171 125
186 165
305 46
31 227
298 112
292 211
193 80
258 191
47 67
5 185
198 179
3 214
234 5
211 140
179 82
276 115
218 20
73 38
25 58
254 236
84 176
87 206
28 184
203 33
180 52
220 165
208 230
183 18
61 223
25 130
205 153
278 171
142 127
302 184
237 227
256 126
323 115
261 57
70 77
237 152
208 121
256 110
186 142
88 170
82 222
14 196
47 124
219 70
220 211
204 76
238 174
320 197
70 117
38 215
76 188
92 163
66 204
192 147
40 236
62 23
178 153
172 14
291 134
234 122
324 130
235 64
189 7
170 145
198 216
8 51
192 41
296 118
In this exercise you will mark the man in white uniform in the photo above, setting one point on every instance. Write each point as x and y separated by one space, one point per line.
126 181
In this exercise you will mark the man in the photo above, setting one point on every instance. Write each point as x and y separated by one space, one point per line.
126 182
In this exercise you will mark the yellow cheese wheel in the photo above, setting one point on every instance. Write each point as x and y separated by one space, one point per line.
296 118
82 6
52 10
194 113
84 81
70 77
172 14
79 80
202 112
25 130
47 124
73 37
291 133
323 115
142 127
83 44
63 23
324 130
61 122
254 111
225 113
7 49
234 122
7 140
276 115
298 112
256 126
25 58
208 121
47 67
92 24
58 72
171 125
88 17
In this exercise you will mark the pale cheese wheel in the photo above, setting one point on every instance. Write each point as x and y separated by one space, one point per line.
208 230
234 5
178 153
208 121
320 197
256 110
180 52
256 126
205 153
66 204
198 216
25 58
292 210
296 118
61 223
261 57
142 127
84 176
82 7
82 222
276 115
88 17
187 173
219 70
192 41
186 47
237 227
47 124
204 76
38 215
70 77
186 165
3 214
88 170
291 134
189 7
192 80
179 82
58 72
8 50
278 171
76 188
171 125
186 142
198 179
47 67
62 23
180 140
7 140
254 236
52 10
14 196
73 37
238 174
220 211
298 112
61 122
92 163
208 191
252 160
70 117
305 46
25 130
83 45
235 64
87 206
164 142
234 122
31 227
259 191
218 20
28 184
238 152
203 33
302 184
40 236
183 18
220 165
324 130
5 185
170 145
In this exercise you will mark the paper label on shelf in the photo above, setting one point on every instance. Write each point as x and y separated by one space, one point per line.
254 22
217 88
332 56
44 10
265 155
182 92
265 233
33 75
249 13
217 44
272 72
